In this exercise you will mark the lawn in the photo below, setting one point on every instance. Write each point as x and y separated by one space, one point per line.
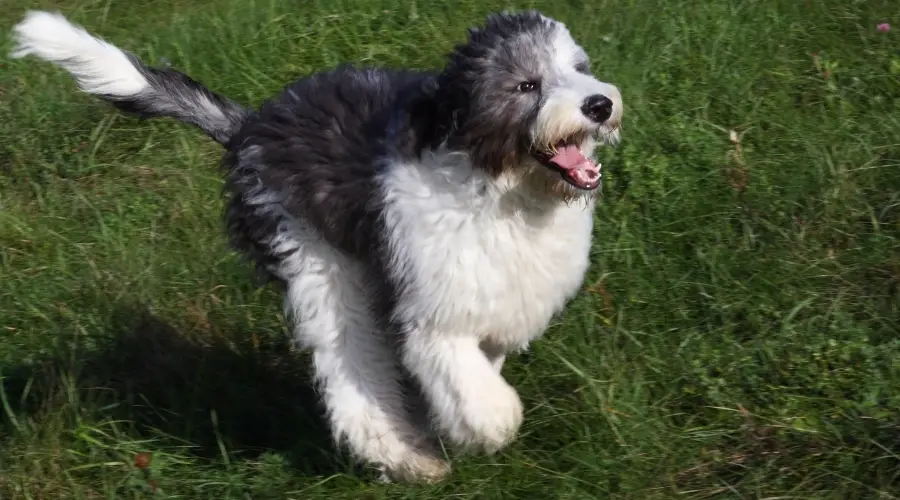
737 336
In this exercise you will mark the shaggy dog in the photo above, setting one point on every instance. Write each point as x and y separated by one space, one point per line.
423 224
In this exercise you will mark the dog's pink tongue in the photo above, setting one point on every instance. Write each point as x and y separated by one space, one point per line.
580 169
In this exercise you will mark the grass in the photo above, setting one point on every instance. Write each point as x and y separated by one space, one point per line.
737 337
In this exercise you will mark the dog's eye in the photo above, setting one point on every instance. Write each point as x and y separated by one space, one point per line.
527 87
582 67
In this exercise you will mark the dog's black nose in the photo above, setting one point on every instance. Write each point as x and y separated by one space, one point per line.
597 107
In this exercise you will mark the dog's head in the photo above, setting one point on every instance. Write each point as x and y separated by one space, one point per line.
519 97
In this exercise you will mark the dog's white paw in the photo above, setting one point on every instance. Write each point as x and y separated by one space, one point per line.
492 417
417 469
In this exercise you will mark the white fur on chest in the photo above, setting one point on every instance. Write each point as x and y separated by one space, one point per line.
477 257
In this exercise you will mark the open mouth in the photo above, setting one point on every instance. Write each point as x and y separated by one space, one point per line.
567 158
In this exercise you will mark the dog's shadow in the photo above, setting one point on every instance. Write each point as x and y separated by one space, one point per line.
162 380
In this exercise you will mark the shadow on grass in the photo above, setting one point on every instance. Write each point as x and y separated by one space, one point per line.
161 380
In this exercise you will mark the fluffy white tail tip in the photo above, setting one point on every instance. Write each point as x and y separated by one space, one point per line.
97 66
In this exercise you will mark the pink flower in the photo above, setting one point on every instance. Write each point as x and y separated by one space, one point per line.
884 27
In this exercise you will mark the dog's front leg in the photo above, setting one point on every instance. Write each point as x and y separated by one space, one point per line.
470 400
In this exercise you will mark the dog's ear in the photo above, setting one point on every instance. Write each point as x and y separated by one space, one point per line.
430 114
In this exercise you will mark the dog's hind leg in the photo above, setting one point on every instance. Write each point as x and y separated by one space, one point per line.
354 364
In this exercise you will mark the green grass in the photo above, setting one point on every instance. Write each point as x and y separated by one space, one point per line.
737 337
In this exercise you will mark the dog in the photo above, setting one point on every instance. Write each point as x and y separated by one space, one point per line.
422 224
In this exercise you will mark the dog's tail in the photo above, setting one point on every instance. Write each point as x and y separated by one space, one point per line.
119 77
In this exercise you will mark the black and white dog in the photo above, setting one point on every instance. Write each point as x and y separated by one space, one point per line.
423 224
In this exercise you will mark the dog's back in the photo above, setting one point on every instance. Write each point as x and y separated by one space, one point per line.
316 149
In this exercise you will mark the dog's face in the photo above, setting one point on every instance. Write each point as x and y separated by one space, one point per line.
522 100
